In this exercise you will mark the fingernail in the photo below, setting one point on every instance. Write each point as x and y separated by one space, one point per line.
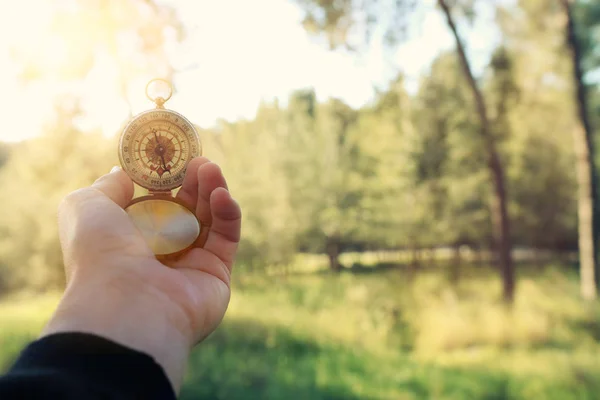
115 169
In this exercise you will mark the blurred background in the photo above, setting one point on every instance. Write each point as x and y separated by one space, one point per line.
418 181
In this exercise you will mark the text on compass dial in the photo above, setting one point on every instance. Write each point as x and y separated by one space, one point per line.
156 147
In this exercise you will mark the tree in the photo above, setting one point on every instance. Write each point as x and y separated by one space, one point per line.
253 157
5 149
586 15
390 151
450 160
335 18
325 171
584 151
37 175
533 75
500 217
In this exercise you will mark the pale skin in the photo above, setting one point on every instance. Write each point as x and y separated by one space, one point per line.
117 289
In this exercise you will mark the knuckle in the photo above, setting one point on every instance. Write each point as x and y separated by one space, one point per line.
79 195
74 199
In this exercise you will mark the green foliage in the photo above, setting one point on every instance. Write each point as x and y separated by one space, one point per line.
387 138
5 150
352 24
451 163
325 171
251 154
404 172
540 119
587 17
382 333
37 175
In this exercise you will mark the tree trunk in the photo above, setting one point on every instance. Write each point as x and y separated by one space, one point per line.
537 258
455 266
478 258
584 153
415 260
333 253
499 210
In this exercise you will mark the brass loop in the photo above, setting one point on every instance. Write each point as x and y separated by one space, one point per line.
160 101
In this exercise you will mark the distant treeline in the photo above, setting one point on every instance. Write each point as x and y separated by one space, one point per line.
407 171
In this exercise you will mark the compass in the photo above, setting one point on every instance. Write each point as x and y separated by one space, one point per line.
155 149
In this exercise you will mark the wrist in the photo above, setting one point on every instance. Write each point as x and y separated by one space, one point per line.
132 316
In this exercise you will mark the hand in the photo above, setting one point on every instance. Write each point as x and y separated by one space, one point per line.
117 289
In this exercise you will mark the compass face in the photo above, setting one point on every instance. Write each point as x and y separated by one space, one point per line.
155 149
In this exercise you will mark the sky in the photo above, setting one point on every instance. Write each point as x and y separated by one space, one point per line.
236 53
238 58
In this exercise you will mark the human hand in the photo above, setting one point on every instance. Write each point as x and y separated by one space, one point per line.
117 289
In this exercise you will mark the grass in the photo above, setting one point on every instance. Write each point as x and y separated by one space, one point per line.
383 333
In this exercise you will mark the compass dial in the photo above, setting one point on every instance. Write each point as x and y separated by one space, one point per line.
156 147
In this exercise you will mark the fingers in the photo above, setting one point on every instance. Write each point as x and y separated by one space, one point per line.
216 258
209 178
224 234
189 189
218 212
116 185
200 259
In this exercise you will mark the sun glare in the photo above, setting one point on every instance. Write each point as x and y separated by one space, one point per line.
219 72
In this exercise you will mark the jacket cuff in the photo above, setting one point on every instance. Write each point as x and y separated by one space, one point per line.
98 363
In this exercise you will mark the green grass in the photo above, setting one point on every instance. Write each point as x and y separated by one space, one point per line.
383 333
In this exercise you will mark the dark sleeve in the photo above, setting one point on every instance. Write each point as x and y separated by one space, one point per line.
83 366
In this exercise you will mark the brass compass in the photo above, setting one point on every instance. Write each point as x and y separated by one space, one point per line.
155 149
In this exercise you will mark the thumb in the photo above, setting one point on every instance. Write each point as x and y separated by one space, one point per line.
92 222
116 185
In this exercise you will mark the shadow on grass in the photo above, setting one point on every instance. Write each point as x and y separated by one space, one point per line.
525 268
11 346
247 360
244 359
360 269
589 326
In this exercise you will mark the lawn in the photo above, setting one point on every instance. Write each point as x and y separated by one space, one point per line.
383 333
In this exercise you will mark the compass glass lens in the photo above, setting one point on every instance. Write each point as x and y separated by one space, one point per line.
156 147
167 227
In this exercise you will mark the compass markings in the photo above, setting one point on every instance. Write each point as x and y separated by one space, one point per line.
163 143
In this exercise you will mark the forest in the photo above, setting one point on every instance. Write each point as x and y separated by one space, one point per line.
440 242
